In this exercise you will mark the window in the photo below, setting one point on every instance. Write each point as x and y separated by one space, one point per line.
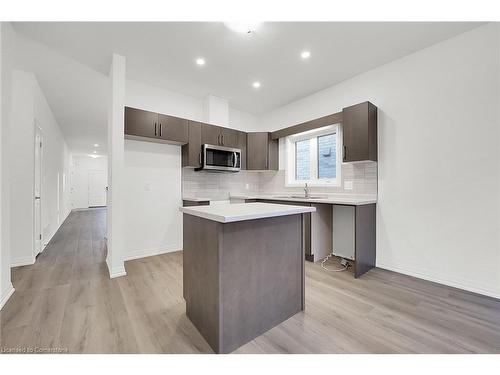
313 157
302 160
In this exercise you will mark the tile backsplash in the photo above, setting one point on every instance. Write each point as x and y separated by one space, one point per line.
217 186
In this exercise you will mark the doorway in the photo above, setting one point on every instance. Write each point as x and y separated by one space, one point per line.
37 192
97 188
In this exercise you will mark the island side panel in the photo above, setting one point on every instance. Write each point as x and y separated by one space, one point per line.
201 276
262 277
365 238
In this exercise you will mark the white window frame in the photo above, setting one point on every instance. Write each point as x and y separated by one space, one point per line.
290 165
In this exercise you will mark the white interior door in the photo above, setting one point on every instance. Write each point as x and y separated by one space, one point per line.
37 199
97 189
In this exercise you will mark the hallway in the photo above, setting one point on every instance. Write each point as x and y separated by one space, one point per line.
66 302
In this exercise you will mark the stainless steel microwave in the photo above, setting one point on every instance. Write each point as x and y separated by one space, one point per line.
220 158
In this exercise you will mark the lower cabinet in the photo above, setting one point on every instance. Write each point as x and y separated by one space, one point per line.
316 229
347 231
191 203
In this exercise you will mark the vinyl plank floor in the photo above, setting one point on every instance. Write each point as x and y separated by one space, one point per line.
66 300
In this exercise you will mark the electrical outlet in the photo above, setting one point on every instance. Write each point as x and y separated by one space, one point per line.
147 186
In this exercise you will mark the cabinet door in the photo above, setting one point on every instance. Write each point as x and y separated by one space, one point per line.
141 123
192 151
229 137
242 145
359 125
210 134
173 129
257 151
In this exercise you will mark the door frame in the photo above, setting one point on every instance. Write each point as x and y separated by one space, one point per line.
105 186
37 131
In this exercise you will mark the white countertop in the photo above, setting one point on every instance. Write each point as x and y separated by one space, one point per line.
351 200
228 213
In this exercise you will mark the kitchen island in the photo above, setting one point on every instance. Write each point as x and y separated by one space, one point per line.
243 269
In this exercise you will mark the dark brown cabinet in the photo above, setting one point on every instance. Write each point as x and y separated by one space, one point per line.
219 136
229 137
242 145
210 134
191 152
359 124
139 123
173 129
146 125
262 151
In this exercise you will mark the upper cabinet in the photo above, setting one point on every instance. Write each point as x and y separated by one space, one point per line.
210 134
191 152
173 129
139 123
145 125
262 151
219 136
359 126
242 145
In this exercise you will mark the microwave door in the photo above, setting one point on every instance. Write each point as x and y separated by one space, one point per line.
221 159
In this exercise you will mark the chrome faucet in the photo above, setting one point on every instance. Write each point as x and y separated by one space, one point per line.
306 191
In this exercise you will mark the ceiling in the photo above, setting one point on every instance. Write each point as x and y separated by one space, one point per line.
164 54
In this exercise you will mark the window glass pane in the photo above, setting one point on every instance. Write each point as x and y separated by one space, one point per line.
327 156
302 160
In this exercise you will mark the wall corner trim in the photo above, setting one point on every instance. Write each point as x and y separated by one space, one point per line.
26 261
9 292
116 271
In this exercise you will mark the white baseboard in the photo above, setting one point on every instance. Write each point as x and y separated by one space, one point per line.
6 295
143 253
455 283
26 261
116 271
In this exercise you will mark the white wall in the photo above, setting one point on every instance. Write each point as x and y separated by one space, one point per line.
81 165
244 121
438 162
6 44
153 223
153 176
116 181
28 104
155 99
153 172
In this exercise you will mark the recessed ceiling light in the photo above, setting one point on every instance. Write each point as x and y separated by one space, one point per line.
95 152
244 27
305 54
200 61
256 84
94 156
96 145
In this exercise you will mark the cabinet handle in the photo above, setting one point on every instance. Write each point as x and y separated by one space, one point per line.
155 130
199 159
222 139
160 129
345 153
218 140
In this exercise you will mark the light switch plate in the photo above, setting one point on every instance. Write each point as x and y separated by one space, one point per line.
348 185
